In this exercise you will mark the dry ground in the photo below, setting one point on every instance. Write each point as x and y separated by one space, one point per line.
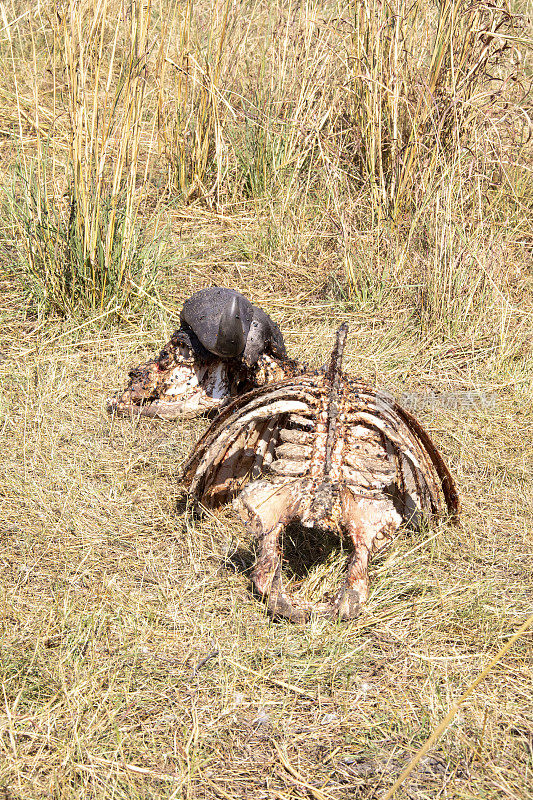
136 661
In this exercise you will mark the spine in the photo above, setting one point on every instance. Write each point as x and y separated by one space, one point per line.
334 375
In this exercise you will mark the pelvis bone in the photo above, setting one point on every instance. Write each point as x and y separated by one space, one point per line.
330 452
224 347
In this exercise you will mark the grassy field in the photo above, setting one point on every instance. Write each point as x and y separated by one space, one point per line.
368 163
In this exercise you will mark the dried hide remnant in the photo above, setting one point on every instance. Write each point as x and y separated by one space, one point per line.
330 452
225 346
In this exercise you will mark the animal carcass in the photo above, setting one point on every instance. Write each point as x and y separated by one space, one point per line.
330 452
224 347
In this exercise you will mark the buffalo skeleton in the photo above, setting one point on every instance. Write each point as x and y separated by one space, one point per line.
318 448
329 452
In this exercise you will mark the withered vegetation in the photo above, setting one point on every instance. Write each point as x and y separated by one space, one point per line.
366 162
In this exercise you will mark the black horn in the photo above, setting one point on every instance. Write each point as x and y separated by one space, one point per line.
231 337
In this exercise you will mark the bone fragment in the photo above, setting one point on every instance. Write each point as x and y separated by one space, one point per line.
296 452
304 422
372 463
365 479
264 448
283 466
298 437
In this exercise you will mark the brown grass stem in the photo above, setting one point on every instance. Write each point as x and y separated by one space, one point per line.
439 730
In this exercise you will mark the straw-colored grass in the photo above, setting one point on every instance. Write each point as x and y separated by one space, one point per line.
78 193
247 141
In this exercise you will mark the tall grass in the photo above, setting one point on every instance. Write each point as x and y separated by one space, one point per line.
388 129
241 88
281 143
190 104
433 102
423 82
78 204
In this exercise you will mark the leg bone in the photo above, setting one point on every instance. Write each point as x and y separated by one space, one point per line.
268 509
368 522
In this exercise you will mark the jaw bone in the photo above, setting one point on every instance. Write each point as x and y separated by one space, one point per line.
185 380
182 384
175 385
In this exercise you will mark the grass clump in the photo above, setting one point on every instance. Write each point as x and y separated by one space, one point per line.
64 277
76 207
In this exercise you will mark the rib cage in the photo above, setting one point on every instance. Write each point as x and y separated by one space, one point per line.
263 422
327 450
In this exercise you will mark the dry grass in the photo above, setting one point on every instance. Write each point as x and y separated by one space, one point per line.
134 660
113 598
